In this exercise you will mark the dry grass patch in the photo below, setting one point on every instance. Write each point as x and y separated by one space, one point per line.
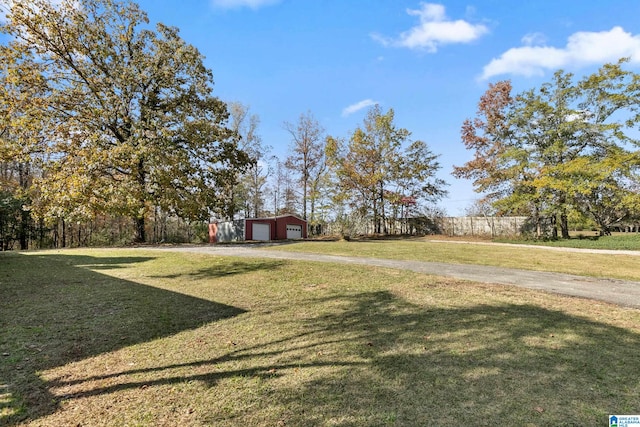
123 338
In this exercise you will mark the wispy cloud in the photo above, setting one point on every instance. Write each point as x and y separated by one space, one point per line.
237 4
582 49
434 30
534 39
353 108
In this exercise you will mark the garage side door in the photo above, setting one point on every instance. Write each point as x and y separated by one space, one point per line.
294 232
261 231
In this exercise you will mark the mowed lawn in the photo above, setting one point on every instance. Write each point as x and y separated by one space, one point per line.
151 338
620 265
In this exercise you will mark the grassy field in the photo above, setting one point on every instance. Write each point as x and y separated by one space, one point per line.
530 258
589 240
148 338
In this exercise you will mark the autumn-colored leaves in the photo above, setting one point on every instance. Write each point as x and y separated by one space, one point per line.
565 149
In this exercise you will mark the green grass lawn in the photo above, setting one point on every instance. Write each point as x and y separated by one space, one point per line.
147 338
530 258
589 240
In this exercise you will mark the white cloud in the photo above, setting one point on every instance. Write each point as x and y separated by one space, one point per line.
353 108
237 4
434 30
582 49
534 39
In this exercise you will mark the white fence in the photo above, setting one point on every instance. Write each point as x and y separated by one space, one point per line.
482 226
230 231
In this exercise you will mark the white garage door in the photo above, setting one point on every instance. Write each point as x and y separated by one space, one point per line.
261 231
294 232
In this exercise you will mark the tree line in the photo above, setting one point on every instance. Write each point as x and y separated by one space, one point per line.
106 118
111 133
568 149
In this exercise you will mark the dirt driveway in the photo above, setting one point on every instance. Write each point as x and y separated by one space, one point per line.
621 292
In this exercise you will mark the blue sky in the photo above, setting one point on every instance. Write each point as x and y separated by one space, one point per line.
430 62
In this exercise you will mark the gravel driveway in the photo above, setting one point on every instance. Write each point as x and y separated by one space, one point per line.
621 292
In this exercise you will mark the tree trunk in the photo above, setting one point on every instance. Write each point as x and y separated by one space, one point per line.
231 209
305 189
564 225
376 223
383 219
538 221
64 233
41 232
141 235
256 206
24 229
604 227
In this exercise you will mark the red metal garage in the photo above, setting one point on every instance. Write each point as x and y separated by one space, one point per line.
278 228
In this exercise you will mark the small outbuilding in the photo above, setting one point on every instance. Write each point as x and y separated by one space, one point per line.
275 228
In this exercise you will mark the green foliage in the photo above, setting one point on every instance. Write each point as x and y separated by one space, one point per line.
587 239
128 117
244 193
380 169
307 159
10 216
565 147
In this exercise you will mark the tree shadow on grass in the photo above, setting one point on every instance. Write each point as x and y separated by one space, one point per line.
53 312
480 365
94 263
376 359
225 267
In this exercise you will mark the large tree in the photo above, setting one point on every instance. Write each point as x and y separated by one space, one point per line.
380 167
562 148
487 136
23 95
130 120
249 194
307 158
